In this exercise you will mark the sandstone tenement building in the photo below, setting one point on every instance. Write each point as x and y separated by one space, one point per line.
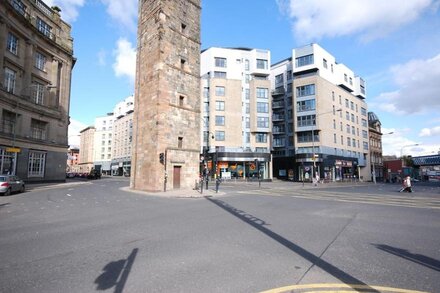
36 61
167 96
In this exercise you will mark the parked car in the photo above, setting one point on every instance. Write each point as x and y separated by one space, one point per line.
70 175
11 183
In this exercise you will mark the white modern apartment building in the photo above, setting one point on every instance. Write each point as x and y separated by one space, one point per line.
122 137
236 111
103 143
320 122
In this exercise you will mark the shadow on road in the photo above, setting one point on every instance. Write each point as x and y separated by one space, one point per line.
315 260
417 258
115 273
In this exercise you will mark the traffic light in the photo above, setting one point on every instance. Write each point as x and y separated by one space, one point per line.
162 158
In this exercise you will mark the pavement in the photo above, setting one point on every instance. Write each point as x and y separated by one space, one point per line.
431 187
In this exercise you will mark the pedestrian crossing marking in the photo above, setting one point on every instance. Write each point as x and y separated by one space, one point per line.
352 197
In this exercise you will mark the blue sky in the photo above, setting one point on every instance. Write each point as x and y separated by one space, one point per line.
394 45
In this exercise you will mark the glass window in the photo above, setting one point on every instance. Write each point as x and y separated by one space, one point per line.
364 134
219 135
206 107
304 60
247 78
364 122
346 103
40 61
38 129
219 74
263 122
219 105
363 111
220 91
38 93
44 28
307 120
220 62
10 77
262 107
246 64
247 93
305 90
348 128
348 141
220 120
324 63
248 108
261 137
248 137
12 45
248 122
279 78
261 64
306 105
37 161
262 93
365 145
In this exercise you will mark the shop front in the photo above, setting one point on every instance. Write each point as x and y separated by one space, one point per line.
329 168
239 165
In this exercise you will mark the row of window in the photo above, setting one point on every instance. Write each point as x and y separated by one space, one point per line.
13 47
38 129
260 63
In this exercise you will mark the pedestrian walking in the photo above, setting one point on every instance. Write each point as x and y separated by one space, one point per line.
406 185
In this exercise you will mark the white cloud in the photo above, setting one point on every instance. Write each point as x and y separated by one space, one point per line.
315 19
125 63
123 11
419 88
75 127
69 8
430 131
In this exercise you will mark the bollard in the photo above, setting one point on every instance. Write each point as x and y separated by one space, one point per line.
217 184
201 185
207 181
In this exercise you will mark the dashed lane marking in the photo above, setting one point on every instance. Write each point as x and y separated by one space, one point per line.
338 288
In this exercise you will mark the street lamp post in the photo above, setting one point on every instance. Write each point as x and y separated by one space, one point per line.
401 152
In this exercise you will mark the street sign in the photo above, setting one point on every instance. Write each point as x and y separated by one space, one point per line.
13 150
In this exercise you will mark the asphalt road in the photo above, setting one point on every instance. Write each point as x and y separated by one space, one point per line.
97 236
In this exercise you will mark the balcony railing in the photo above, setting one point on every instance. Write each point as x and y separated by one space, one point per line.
277 117
278 92
278 104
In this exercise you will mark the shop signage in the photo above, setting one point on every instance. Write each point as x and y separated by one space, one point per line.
13 150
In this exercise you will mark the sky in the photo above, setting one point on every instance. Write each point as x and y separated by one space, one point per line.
393 45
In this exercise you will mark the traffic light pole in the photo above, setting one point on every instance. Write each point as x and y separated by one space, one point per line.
165 170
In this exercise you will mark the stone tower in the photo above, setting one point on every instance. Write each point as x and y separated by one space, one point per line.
167 96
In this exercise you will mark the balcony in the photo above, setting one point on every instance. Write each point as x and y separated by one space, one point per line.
278 92
278 117
278 104
278 130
